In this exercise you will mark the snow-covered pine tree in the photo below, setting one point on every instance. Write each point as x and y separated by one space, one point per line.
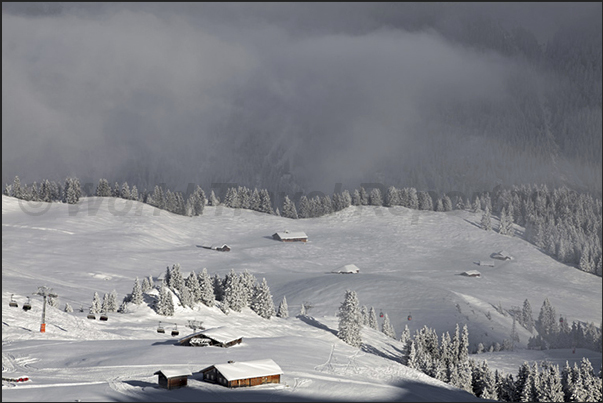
192 283
112 301
165 305
234 294
476 207
125 191
356 198
176 280
463 352
16 190
372 319
68 308
213 199
364 199
248 283
289 210
218 286
102 189
134 193
96 303
265 203
425 201
447 203
392 197
283 309
350 321
365 315
526 315
486 221
375 198
206 287
261 302
105 304
146 285
137 297
186 298
547 321
387 328
302 310
304 208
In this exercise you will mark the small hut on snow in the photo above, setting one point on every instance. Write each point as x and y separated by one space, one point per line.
173 378
348 268
502 255
219 336
472 273
240 374
290 236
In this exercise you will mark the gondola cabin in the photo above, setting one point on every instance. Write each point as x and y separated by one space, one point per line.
27 305
172 378
243 374
13 303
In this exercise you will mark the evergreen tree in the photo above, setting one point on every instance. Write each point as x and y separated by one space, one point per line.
304 208
387 328
134 193
350 321
526 314
265 203
137 297
289 210
218 286
392 197
356 198
447 203
463 352
248 283
547 321
375 198
486 221
112 301
364 199
165 305
16 190
146 285
283 309
372 319
213 200
125 191
206 287
96 303
365 315
234 294
68 308
192 283
186 298
176 280
105 304
261 302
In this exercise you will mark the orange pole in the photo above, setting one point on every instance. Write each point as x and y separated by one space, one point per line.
43 328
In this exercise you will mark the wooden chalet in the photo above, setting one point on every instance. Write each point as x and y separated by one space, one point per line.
172 378
223 248
219 336
242 374
472 273
288 236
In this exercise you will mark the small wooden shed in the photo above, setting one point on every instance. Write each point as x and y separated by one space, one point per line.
219 336
290 236
223 248
173 378
472 273
242 374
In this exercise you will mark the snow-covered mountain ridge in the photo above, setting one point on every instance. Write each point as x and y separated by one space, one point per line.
410 263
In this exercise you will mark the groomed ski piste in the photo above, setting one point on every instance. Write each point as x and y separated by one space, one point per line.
410 263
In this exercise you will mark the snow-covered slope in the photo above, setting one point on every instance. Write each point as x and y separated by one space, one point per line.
410 263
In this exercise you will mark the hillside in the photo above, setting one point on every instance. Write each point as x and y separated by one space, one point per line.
410 263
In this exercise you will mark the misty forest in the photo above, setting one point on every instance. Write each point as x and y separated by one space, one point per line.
295 111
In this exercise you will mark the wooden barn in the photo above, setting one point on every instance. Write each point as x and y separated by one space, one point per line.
241 374
290 236
219 336
223 248
472 273
172 378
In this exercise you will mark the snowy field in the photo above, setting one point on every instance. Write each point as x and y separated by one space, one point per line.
410 263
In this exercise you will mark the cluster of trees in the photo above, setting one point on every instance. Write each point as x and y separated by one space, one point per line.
242 197
108 304
47 191
446 358
233 292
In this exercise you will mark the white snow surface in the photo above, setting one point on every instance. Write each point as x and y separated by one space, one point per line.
248 369
410 259
348 268
221 334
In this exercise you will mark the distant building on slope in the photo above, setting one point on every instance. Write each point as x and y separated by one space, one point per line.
242 374
348 268
472 273
172 378
223 248
502 255
287 236
489 263
219 336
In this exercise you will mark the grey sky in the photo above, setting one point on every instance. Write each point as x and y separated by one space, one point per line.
184 93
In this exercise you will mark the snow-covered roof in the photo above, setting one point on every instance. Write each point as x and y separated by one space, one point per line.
472 273
248 369
219 334
486 262
173 373
348 268
503 253
291 234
